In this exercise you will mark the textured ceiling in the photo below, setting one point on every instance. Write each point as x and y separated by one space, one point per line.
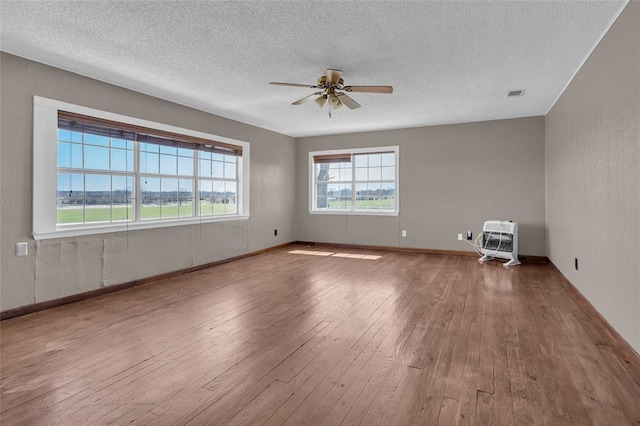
448 62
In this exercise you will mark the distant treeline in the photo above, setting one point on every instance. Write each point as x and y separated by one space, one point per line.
123 197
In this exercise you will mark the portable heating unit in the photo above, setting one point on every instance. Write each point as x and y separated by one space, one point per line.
500 240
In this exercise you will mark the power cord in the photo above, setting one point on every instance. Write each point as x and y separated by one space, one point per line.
477 243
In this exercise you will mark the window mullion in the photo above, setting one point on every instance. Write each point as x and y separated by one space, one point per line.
84 198
195 186
111 196
136 182
94 172
238 188
353 185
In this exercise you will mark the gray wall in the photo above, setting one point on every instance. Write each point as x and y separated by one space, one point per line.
452 179
60 267
593 177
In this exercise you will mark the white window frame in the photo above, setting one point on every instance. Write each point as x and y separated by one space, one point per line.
371 150
45 136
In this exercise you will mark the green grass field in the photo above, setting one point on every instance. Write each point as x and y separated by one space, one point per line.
68 215
147 212
388 204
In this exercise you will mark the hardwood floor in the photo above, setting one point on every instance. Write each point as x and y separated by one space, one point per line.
286 338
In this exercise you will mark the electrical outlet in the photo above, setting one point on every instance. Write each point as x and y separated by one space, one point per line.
404 232
469 235
22 249
275 232
459 237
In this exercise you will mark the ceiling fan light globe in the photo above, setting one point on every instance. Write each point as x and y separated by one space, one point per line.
321 101
333 100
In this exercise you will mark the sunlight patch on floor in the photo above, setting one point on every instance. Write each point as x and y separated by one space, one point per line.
312 253
328 253
357 256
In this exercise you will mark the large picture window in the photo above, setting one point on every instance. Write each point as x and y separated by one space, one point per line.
114 172
361 181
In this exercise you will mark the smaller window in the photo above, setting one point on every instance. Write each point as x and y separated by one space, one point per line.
360 181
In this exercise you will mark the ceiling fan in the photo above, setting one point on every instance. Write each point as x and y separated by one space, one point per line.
332 87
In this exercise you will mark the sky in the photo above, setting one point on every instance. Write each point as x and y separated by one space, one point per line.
105 154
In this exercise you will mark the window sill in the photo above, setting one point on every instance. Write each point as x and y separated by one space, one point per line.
79 230
354 212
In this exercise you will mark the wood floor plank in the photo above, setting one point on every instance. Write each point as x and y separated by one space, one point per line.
485 408
502 377
515 363
559 388
467 398
448 412
535 356
290 338
485 378
464 340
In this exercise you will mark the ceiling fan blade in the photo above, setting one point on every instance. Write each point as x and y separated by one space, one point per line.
308 86
311 97
369 89
350 103
333 76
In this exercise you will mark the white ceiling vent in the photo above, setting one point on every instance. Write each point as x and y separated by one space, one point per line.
513 93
